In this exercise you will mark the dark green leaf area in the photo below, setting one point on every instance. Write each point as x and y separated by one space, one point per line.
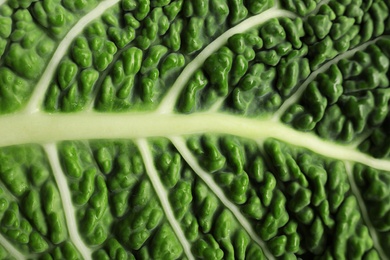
55 17
367 70
24 50
280 36
220 235
14 91
254 94
143 230
5 30
300 7
113 250
338 27
12 4
348 100
31 213
119 85
28 64
193 24
292 71
66 250
116 205
374 187
378 143
210 227
210 18
320 201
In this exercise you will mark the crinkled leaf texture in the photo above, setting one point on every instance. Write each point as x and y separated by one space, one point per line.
207 129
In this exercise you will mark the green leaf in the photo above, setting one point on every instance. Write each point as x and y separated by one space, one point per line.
208 129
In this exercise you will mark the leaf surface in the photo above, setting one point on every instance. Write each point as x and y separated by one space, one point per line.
205 129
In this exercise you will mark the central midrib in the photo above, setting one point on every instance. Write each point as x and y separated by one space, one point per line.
45 128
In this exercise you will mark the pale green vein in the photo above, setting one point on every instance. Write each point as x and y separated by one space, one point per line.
216 189
169 101
277 4
293 99
10 248
364 212
163 196
69 210
43 83
43 128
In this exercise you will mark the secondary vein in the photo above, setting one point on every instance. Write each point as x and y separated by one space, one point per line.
163 196
10 248
70 216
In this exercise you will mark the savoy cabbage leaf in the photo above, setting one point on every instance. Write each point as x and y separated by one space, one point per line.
194 129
